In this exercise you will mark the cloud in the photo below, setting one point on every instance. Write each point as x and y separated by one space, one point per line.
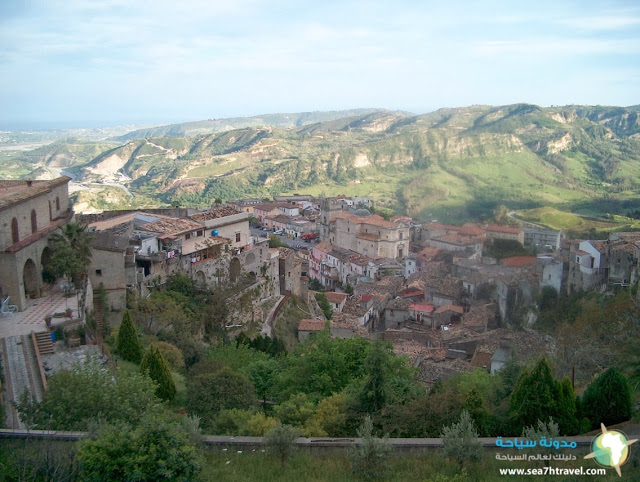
602 23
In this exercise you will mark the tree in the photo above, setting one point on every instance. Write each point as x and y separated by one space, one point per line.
295 411
208 392
537 396
329 418
324 304
280 440
608 399
460 440
374 395
276 242
369 457
128 345
155 450
70 251
262 374
156 367
88 392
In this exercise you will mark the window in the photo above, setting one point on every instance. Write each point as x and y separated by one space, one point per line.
401 235
187 236
200 232
98 272
34 221
57 203
15 235
237 237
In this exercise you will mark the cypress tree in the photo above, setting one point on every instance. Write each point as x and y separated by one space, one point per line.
128 346
156 367
373 396
608 399
538 396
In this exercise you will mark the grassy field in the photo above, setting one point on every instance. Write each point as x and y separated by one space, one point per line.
233 465
569 222
248 466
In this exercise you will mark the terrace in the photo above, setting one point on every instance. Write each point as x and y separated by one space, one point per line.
32 318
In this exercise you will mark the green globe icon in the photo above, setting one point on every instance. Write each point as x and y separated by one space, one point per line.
610 448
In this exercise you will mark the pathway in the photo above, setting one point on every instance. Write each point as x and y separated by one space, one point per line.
21 374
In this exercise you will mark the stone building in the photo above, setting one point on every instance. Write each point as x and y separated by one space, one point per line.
29 212
372 235
496 231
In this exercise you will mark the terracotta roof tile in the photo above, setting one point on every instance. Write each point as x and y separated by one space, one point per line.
311 325
334 297
517 261
454 308
215 213
172 226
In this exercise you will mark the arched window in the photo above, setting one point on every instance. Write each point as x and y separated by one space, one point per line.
50 213
34 221
15 236
57 203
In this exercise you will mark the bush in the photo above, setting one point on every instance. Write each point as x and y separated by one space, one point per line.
280 440
460 440
369 457
324 304
171 353
156 450
88 392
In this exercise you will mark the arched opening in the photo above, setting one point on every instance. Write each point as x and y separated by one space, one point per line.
45 260
250 259
30 279
34 221
234 270
15 235
201 280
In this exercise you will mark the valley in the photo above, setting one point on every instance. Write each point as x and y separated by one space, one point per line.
458 164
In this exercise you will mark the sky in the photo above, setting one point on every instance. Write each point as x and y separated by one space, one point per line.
82 63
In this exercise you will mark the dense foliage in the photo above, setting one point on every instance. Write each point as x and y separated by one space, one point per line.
70 253
608 399
154 450
89 393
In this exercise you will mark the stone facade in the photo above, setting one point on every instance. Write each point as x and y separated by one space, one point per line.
29 212
372 236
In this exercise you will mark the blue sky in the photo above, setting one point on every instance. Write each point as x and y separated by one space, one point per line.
105 62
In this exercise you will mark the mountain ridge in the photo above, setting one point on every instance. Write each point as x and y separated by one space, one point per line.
456 162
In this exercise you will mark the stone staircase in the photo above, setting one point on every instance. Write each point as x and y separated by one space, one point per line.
45 345
98 313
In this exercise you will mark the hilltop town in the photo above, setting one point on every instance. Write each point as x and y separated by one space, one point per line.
452 298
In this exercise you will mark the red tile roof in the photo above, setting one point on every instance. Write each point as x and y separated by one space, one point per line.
334 297
454 308
518 261
503 229
423 307
311 325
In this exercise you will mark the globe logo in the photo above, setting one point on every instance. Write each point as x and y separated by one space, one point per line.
610 448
